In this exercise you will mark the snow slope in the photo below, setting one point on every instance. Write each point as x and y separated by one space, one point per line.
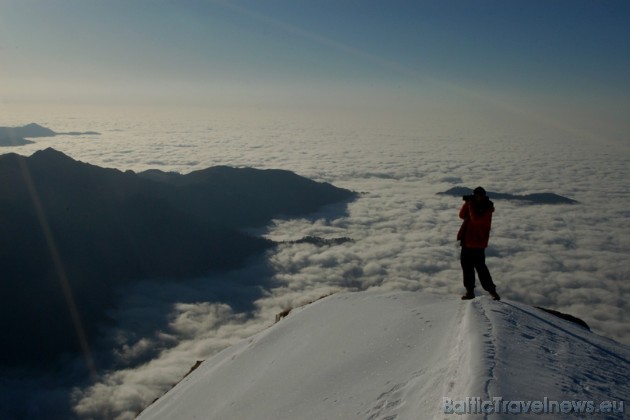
396 355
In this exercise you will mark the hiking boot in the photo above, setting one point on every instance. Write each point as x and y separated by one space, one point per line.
468 296
495 296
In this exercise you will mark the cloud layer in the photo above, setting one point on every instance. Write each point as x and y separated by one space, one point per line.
571 258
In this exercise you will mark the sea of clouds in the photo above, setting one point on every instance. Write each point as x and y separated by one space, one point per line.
571 258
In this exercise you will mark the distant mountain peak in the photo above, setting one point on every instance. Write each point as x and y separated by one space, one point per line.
16 136
534 198
35 130
34 126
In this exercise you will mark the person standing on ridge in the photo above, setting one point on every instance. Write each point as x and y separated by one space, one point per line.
473 236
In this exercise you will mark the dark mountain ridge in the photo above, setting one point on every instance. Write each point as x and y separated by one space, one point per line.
95 228
251 189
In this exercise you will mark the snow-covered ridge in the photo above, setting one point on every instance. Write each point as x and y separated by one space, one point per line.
397 355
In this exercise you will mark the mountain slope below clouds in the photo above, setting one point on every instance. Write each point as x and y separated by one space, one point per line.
396 355
75 231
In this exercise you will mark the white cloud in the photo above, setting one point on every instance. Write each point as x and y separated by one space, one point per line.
569 258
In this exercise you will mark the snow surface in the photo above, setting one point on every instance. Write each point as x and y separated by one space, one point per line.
396 355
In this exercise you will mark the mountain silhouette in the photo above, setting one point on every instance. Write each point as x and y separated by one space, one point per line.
246 197
535 198
29 130
16 136
72 231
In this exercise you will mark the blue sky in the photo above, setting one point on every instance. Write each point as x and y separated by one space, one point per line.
295 52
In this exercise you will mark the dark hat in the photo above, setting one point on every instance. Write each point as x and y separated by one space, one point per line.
479 191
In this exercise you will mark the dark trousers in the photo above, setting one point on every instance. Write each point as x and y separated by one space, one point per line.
475 259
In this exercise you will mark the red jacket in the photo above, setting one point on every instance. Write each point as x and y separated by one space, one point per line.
475 231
